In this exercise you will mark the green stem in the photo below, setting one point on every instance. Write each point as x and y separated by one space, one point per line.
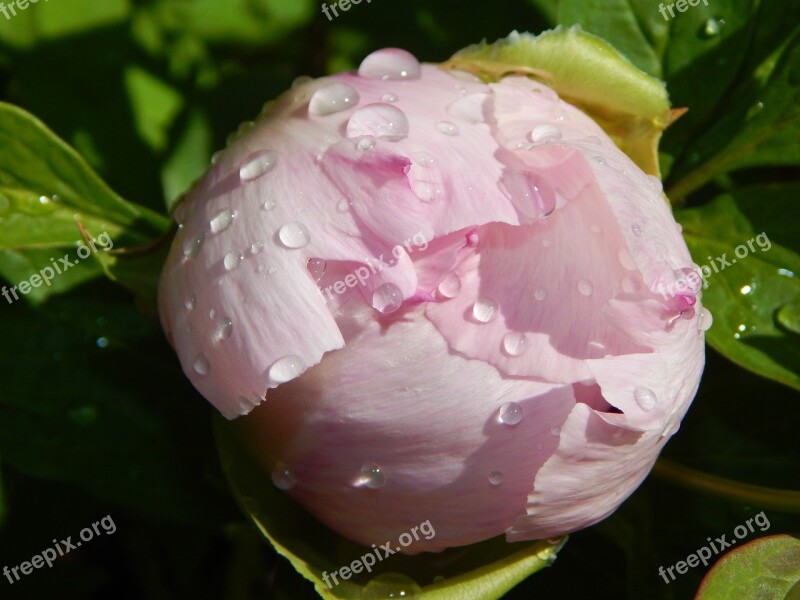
745 493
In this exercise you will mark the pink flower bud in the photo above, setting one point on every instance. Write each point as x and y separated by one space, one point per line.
444 296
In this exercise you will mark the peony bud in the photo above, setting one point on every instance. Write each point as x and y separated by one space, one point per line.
447 301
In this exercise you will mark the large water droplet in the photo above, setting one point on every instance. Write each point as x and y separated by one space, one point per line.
484 310
371 476
286 368
283 478
515 343
450 286
333 98
496 477
201 364
191 248
645 398
545 134
379 120
447 128
316 267
533 198
391 585
390 64
294 235
387 298
232 260
510 413
222 220
258 164
585 288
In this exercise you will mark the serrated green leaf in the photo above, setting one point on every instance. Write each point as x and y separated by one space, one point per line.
586 71
768 567
482 571
746 296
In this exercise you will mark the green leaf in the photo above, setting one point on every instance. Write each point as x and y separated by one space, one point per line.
51 201
586 71
760 124
20 265
616 22
768 567
482 571
748 296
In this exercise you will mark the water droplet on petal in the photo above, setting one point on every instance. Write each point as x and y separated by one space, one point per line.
201 365
286 368
496 477
294 235
655 182
268 205
428 191
585 288
390 64
424 159
283 478
343 206
555 431
222 221
379 120
510 414
391 585
316 267
540 294
256 247
366 144
545 134
371 476
272 270
387 298
225 329
447 128
450 286
190 303
484 310
389 98
515 343
333 98
645 398
258 164
636 229
232 260
192 247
